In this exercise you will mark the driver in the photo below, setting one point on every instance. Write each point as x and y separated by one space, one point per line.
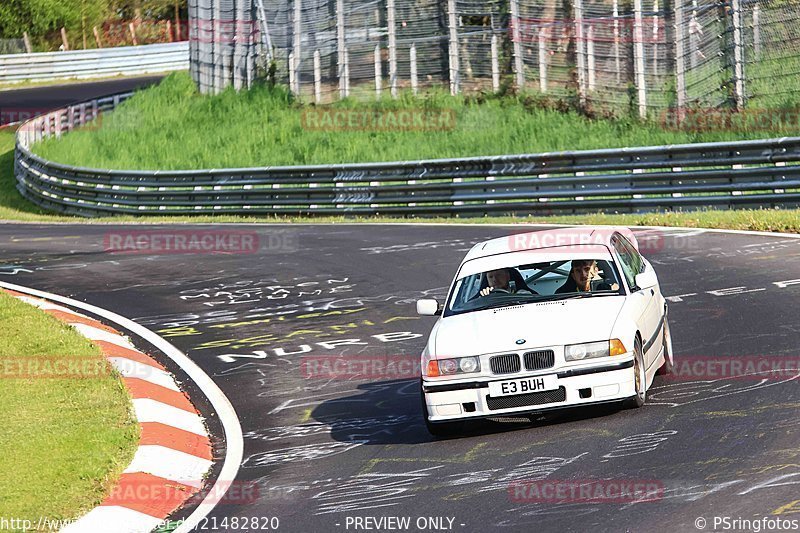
497 280
581 274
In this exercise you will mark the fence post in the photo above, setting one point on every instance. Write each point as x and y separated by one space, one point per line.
655 37
638 58
346 72
580 48
543 60
617 66
340 48
132 29
680 65
297 43
590 58
64 40
694 30
390 21
291 72
738 54
377 58
27 40
317 77
495 65
452 22
412 59
757 31
516 41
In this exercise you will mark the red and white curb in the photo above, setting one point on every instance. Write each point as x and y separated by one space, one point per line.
174 452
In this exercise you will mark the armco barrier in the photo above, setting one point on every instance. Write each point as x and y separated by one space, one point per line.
731 174
103 62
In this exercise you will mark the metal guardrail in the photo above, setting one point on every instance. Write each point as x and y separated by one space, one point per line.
103 62
727 175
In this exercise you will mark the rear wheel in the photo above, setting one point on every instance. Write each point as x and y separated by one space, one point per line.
639 377
440 429
669 364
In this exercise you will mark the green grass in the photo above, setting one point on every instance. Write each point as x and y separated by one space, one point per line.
172 127
63 442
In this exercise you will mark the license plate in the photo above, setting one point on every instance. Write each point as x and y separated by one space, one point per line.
523 385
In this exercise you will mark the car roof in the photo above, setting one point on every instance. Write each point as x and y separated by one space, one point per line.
560 240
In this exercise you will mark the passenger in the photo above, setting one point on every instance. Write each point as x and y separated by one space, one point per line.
581 275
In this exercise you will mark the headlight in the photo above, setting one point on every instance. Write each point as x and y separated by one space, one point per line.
577 352
448 367
589 350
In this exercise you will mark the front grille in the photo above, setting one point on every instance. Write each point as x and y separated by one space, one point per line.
504 364
521 400
539 360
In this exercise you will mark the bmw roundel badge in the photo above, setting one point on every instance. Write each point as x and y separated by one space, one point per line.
521 341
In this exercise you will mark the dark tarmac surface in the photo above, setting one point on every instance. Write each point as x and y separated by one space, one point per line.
325 451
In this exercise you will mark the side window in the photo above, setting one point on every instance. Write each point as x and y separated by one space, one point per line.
627 261
636 259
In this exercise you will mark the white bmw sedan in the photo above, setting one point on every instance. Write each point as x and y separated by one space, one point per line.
544 320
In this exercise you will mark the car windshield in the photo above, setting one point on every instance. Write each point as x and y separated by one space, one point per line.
538 282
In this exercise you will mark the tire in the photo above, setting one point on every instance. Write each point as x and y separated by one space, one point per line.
669 364
440 429
639 378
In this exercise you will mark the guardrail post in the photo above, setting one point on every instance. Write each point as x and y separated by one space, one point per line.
638 58
580 48
495 65
412 59
390 21
340 48
680 65
516 42
297 44
738 55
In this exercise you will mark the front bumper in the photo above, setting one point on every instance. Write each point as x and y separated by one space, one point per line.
576 386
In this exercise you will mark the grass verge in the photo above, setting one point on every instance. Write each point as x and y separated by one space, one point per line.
173 127
63 441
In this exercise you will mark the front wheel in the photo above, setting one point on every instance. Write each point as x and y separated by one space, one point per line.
440 429
669 363
639 377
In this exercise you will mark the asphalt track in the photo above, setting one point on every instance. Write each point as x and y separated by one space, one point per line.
322 451
28 102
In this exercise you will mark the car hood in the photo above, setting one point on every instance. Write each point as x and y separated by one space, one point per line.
542 324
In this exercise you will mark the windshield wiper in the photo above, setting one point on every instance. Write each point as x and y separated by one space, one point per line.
570 295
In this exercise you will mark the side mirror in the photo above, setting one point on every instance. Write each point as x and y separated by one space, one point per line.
646 279
427 307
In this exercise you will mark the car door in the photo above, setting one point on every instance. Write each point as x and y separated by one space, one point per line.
642 301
